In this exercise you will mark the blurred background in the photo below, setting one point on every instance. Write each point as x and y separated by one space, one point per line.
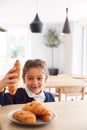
18 42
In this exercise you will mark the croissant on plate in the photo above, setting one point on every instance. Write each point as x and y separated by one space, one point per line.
25 117
12 89
39 109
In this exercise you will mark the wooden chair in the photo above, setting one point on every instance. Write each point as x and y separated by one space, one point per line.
70 91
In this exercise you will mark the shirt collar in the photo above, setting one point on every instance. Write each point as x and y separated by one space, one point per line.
40 97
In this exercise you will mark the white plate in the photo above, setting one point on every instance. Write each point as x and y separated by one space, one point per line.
38 121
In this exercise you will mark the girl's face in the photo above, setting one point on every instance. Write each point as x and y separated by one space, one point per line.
35 79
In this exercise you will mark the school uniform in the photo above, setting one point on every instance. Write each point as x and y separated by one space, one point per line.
23 95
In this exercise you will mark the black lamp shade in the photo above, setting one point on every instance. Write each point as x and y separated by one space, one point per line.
36 26
66 28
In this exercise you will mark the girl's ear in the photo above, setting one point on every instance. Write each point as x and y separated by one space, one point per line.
46 78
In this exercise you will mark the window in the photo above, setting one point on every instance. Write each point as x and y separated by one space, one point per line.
13 46
84 50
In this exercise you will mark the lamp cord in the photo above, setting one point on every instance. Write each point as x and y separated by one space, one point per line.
36 6
66 12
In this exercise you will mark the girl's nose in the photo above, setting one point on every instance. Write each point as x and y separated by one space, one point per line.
35 81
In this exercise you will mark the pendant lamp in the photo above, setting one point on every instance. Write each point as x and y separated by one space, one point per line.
66 28
36 26
2 30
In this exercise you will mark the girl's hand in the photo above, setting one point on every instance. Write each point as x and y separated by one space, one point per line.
9 79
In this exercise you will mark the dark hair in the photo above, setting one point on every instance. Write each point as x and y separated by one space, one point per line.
35 63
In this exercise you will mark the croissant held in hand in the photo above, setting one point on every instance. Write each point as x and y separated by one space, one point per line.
25 117
12 89
39 109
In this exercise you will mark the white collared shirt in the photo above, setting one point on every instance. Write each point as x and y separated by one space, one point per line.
40 97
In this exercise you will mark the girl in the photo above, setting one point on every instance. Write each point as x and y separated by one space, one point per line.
35 75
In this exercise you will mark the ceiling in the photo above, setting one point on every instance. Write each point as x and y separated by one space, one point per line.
50 11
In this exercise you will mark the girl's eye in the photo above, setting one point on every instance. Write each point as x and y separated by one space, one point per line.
39 78
29 78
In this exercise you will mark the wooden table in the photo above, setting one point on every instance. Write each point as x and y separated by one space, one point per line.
70 116
67 84
65 80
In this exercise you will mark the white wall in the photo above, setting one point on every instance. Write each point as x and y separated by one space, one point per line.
77 49
68 46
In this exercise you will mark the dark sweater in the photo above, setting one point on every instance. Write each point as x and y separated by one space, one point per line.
21 97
